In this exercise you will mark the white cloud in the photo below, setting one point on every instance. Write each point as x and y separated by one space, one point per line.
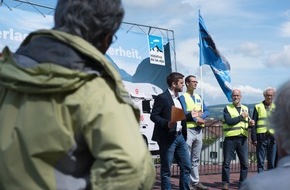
249 90
211 7
213 94
166 14
222 8
249 49
143 4
250 94
187 56
172 23
239 61
281 58
212 90
285 29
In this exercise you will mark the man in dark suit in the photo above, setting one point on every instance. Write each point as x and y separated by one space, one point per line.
171 136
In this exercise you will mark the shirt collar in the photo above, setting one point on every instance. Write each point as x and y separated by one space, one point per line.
172 93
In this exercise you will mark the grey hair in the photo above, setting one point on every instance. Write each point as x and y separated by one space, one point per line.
269 89
89 19
279 119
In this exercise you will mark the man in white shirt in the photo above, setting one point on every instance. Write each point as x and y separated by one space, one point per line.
171 136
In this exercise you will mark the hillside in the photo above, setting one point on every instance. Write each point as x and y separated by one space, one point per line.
216 111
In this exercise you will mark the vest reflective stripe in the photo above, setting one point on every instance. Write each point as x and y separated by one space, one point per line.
262 116
240 128
190 105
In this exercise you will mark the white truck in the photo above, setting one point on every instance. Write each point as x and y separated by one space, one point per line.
143 95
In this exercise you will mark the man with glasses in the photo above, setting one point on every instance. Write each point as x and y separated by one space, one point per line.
196 112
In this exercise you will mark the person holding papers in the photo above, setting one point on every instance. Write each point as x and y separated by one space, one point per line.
171 134
192 103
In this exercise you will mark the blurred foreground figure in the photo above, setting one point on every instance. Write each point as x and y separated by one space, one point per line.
66 122
277 178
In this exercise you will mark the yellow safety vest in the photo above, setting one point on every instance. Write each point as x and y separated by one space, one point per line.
190 105
240 128
262 116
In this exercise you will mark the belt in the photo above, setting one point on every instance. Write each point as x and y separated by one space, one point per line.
263 136
178 133
236 137
197 128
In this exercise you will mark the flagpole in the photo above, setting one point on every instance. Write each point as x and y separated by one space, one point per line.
201 80
200 69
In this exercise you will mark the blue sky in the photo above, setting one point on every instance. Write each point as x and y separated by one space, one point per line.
254 36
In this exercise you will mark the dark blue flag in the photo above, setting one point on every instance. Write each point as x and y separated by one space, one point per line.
209 55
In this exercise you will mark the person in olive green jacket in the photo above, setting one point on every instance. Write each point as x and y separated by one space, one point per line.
66 121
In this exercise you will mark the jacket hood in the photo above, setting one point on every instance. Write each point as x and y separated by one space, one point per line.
44 64
44 49
49 77
41 78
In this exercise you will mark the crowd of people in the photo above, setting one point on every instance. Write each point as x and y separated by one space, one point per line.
65 117
237 122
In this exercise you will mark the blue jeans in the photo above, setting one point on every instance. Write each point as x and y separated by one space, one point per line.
238 144
194 142
177 149
267 145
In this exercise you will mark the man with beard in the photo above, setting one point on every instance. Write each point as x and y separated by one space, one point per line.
171 135
235 129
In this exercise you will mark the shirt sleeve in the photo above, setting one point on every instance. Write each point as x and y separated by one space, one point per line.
205 111
229 120
156 113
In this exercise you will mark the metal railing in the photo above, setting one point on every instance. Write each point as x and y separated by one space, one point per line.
212 152
212 156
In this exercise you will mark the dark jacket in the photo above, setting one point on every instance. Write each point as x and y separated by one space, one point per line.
161 115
